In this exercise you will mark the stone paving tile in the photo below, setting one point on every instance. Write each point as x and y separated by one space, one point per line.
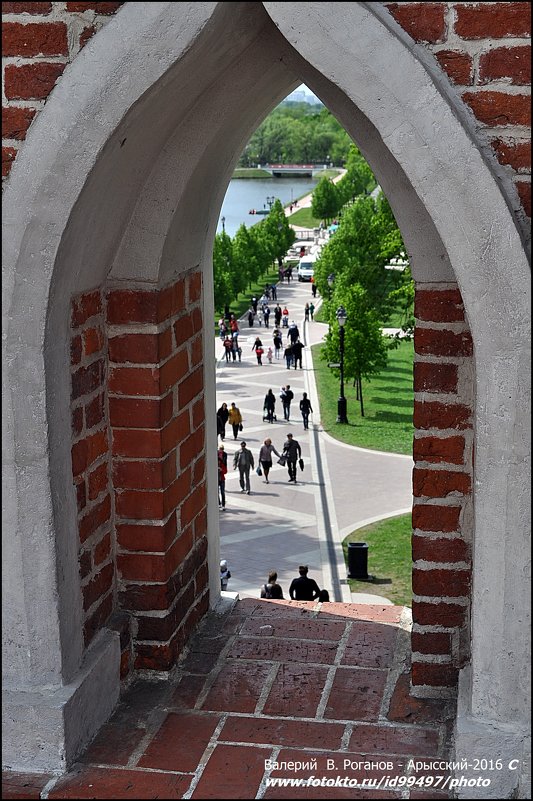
296 691
373 612
356 694
370 645
278 650
139 699
236 770
180 742
407 709
273 731
187 690
237 687
284 608
92 782
409 740
114 744
295 628
349 765
23 785
232 771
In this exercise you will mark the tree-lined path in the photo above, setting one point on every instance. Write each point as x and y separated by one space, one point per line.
280 526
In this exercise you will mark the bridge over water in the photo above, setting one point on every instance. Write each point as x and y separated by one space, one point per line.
293 170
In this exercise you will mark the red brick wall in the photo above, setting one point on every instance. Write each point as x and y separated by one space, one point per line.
156 409
138 460
91 459
483 48
442 486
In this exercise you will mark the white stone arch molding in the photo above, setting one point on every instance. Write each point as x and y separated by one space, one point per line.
75 190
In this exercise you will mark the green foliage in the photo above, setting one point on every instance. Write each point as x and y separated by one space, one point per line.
277 233
389 558
240 262
326 200
388 421
297 133
366 240
358 179
365 348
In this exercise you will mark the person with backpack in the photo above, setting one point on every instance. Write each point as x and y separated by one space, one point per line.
272 589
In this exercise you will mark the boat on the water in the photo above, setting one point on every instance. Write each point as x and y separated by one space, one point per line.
259 211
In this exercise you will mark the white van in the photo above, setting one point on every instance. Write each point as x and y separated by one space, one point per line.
306 267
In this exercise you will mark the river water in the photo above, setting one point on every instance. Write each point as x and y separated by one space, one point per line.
244 194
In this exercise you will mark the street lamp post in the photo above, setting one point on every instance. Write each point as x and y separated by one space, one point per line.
341 404
223 221
270 201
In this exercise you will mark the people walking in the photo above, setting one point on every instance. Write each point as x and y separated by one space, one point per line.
228 348
269 406
222 419
265 457
305 408
312 310
297 350
313 289
287 355
269 355
235 419
266 314
258 347
286 396
292 452
293 333
272 589
225 575
306 312
251 315
277 315
244 460
222 470
304 588
278 343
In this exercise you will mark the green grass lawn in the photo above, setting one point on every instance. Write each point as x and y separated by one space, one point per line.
389 559
242 302
387 399
250 172
303 218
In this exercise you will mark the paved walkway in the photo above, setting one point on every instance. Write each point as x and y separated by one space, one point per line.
265 682
280 526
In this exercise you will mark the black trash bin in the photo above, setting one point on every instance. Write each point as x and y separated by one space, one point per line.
358 560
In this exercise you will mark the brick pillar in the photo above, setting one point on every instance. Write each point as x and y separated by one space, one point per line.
90 459
442 487
156 409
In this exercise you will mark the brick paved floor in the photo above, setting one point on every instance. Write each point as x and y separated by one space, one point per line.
283 681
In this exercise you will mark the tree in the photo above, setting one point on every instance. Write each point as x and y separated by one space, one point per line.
326 201
358 179
365 348
278 234
360 249
222 267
